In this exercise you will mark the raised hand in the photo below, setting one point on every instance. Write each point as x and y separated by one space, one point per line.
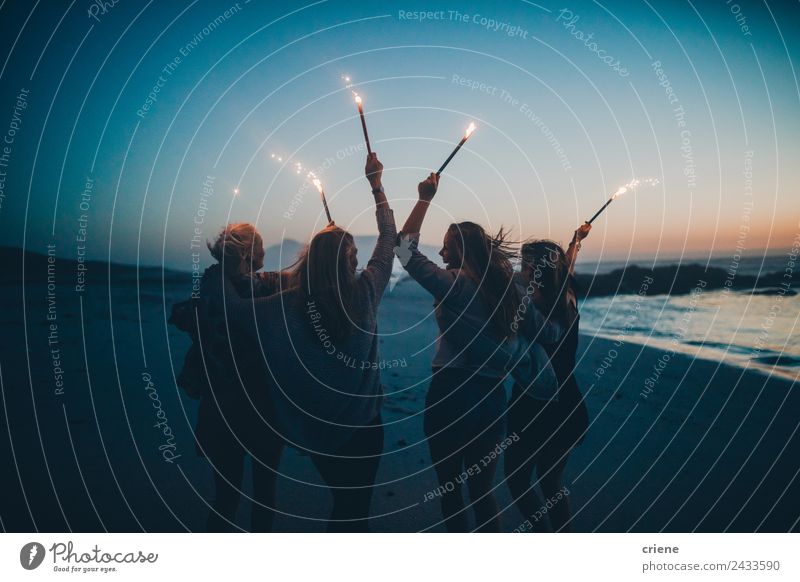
373 170
583 231
427 188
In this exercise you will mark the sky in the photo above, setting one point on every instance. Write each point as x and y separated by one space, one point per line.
132 124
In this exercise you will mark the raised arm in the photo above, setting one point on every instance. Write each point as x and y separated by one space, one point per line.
575 245
379 267
431 276
426 190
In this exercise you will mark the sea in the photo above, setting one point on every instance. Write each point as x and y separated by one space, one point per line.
752 330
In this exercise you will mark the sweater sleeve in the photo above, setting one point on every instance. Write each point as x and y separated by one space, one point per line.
273 282
379 268
244 314
437 281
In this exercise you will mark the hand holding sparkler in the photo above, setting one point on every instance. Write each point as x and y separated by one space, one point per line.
427 188
582 232
373 170
571 253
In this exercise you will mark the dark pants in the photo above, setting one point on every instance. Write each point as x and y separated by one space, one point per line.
226 440
464 422
350 474
547 432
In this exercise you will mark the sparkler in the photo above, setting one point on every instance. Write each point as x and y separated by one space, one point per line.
318 184
348 84
467 133
312 177
622 189
363 121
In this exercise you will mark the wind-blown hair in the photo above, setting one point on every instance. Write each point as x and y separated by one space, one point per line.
550 274
235 246
488 260
324 274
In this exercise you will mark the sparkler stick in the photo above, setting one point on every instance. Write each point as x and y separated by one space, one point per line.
604 206
363 121
467 133
298 168
630 186
318 184
348 85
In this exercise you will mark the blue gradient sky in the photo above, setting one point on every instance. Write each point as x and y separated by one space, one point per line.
268 80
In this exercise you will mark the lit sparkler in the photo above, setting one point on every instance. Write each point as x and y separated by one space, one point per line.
467 133
632 185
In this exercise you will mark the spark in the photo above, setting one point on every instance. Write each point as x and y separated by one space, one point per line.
470 129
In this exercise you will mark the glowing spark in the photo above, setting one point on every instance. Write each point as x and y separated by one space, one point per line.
470 129
632 185
235 191
316 181
635 183
311 177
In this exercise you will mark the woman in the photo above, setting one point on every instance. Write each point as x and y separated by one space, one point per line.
226 374
476 302
319 339
548 429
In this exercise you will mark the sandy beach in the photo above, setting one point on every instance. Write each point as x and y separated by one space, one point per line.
709 448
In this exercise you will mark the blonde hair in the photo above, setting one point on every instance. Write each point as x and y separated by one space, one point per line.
234 247
324 274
